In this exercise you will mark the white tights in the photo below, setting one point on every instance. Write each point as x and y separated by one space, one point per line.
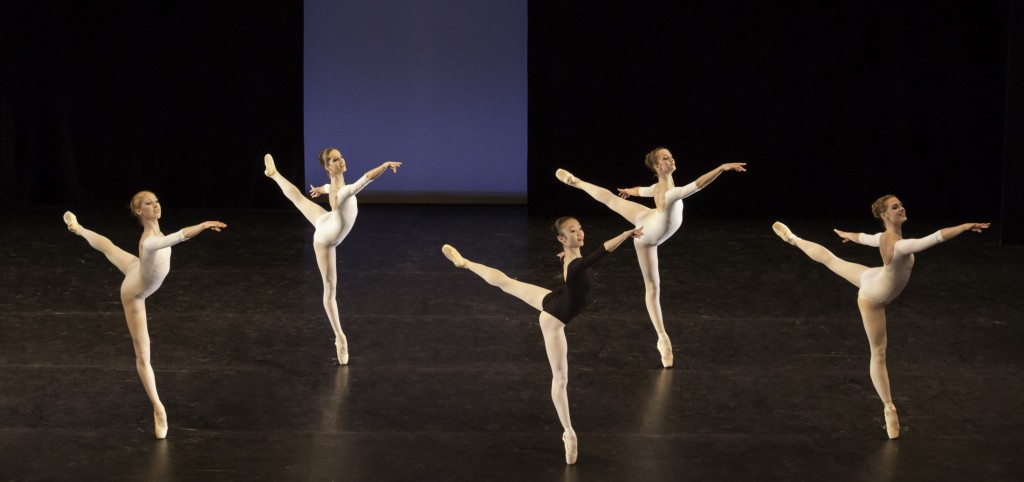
553 330
872 313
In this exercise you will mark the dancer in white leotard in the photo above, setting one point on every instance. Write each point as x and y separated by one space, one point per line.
556 308
659 223
879 286
143 275
331 226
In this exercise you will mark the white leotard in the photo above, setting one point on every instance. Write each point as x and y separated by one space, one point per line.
145 276
333 226
883 284
661 225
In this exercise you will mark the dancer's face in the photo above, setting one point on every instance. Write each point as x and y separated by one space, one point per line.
149 207
665 164
335 162
894 211
572 234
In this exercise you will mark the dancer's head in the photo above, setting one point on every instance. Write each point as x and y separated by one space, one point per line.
660 161
332 160
889 209
568 232
145 206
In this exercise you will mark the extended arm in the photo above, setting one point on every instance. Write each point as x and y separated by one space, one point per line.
952 232
193 231
381 169
860 238
714 173
615 242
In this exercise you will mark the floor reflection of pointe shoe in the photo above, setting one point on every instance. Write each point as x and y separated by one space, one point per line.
783 231
269 168
570 448
566 177
453 256
342 347
160 424
892 422
665 348
72 221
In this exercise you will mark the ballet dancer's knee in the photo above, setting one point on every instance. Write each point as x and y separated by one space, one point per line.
559 381
878 354
652 289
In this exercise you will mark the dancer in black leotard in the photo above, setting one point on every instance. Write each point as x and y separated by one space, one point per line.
556 307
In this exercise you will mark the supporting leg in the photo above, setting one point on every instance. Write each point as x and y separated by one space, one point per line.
647 255
873 315
557 351
135 314
326 260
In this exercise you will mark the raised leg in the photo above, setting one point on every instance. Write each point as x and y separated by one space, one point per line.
647 255
627 209
309 209
120 258
326 260
529 294
135 314
849 271
557 351
873 314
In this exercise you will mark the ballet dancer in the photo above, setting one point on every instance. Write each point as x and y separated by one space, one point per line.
331 226
557 307
143 275
879 286
659 223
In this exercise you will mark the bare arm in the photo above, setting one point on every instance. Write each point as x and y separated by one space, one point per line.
628 191
859 238
381 169
613 243
952 232
714 173
193 231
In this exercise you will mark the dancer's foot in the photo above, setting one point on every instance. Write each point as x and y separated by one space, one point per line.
783 231
892 422
453 256
566 177
160 422
342 345
665 348
270 169
570 447
72 221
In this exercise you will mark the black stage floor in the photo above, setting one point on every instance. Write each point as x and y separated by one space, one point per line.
448 378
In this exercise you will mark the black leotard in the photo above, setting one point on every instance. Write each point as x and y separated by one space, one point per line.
567 302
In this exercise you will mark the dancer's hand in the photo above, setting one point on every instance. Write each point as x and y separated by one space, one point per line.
977 227
392 165
635 233
847 237
734 166
625 193
315 191
214 225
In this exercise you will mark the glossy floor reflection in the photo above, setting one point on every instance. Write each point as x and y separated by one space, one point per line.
448 378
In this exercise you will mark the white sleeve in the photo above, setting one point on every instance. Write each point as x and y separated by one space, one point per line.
327 188
907 246
354 188
870 239
154 243
647 191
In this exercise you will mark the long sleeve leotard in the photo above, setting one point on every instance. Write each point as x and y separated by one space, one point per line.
567 302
